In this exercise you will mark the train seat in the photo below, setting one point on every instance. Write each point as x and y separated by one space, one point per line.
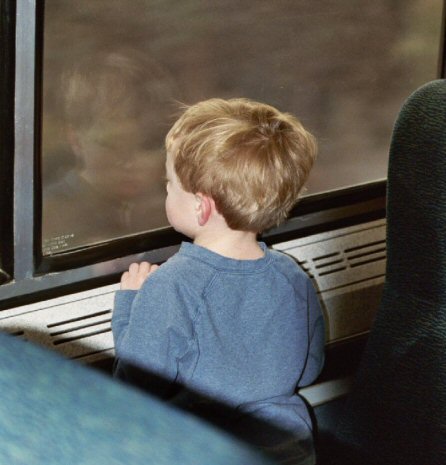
396 412
56 411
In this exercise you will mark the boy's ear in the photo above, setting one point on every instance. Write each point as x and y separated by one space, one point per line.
205 206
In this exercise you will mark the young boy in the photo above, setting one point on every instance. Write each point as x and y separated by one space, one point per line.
226 317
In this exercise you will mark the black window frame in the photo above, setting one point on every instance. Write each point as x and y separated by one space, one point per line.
38 277
7 52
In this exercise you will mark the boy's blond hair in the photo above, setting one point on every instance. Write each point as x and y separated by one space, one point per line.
252 159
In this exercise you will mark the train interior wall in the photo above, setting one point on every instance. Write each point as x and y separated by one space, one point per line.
347 267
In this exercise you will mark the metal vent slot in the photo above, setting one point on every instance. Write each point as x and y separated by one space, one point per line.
333 262
367 253
364 246
81 336
370 260
334 270
323 257
80 318
77 328
329 263
94 323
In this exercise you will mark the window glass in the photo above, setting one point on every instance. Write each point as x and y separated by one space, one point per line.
114 69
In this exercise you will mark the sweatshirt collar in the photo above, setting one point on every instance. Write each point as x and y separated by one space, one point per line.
225 263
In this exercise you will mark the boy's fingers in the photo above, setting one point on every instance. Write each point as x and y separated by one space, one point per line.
136 275
153 268
124 276
144 267
133 268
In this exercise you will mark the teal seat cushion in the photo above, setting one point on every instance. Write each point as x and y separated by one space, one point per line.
54 411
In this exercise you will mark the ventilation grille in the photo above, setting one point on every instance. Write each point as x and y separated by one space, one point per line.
337 260
344 259
78 326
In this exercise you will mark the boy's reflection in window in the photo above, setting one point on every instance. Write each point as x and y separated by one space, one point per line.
116 115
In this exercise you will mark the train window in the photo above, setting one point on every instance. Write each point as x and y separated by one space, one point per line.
6 138
113 70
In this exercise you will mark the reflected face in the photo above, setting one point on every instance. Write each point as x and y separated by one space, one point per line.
120 161
181 206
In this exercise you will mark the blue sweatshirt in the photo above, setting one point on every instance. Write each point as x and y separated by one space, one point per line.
244 332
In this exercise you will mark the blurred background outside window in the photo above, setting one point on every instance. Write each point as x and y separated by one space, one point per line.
114 72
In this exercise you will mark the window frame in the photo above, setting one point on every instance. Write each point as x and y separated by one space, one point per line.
38 277
7 55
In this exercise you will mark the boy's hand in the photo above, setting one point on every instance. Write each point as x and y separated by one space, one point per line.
137 274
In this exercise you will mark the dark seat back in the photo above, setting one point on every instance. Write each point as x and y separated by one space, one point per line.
397 411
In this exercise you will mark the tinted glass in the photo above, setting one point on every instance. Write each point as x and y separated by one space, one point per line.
114 69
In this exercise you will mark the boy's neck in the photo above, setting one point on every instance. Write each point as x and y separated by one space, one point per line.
239 245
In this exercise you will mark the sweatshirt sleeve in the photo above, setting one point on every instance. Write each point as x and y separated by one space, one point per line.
121 313
152 328
316 338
